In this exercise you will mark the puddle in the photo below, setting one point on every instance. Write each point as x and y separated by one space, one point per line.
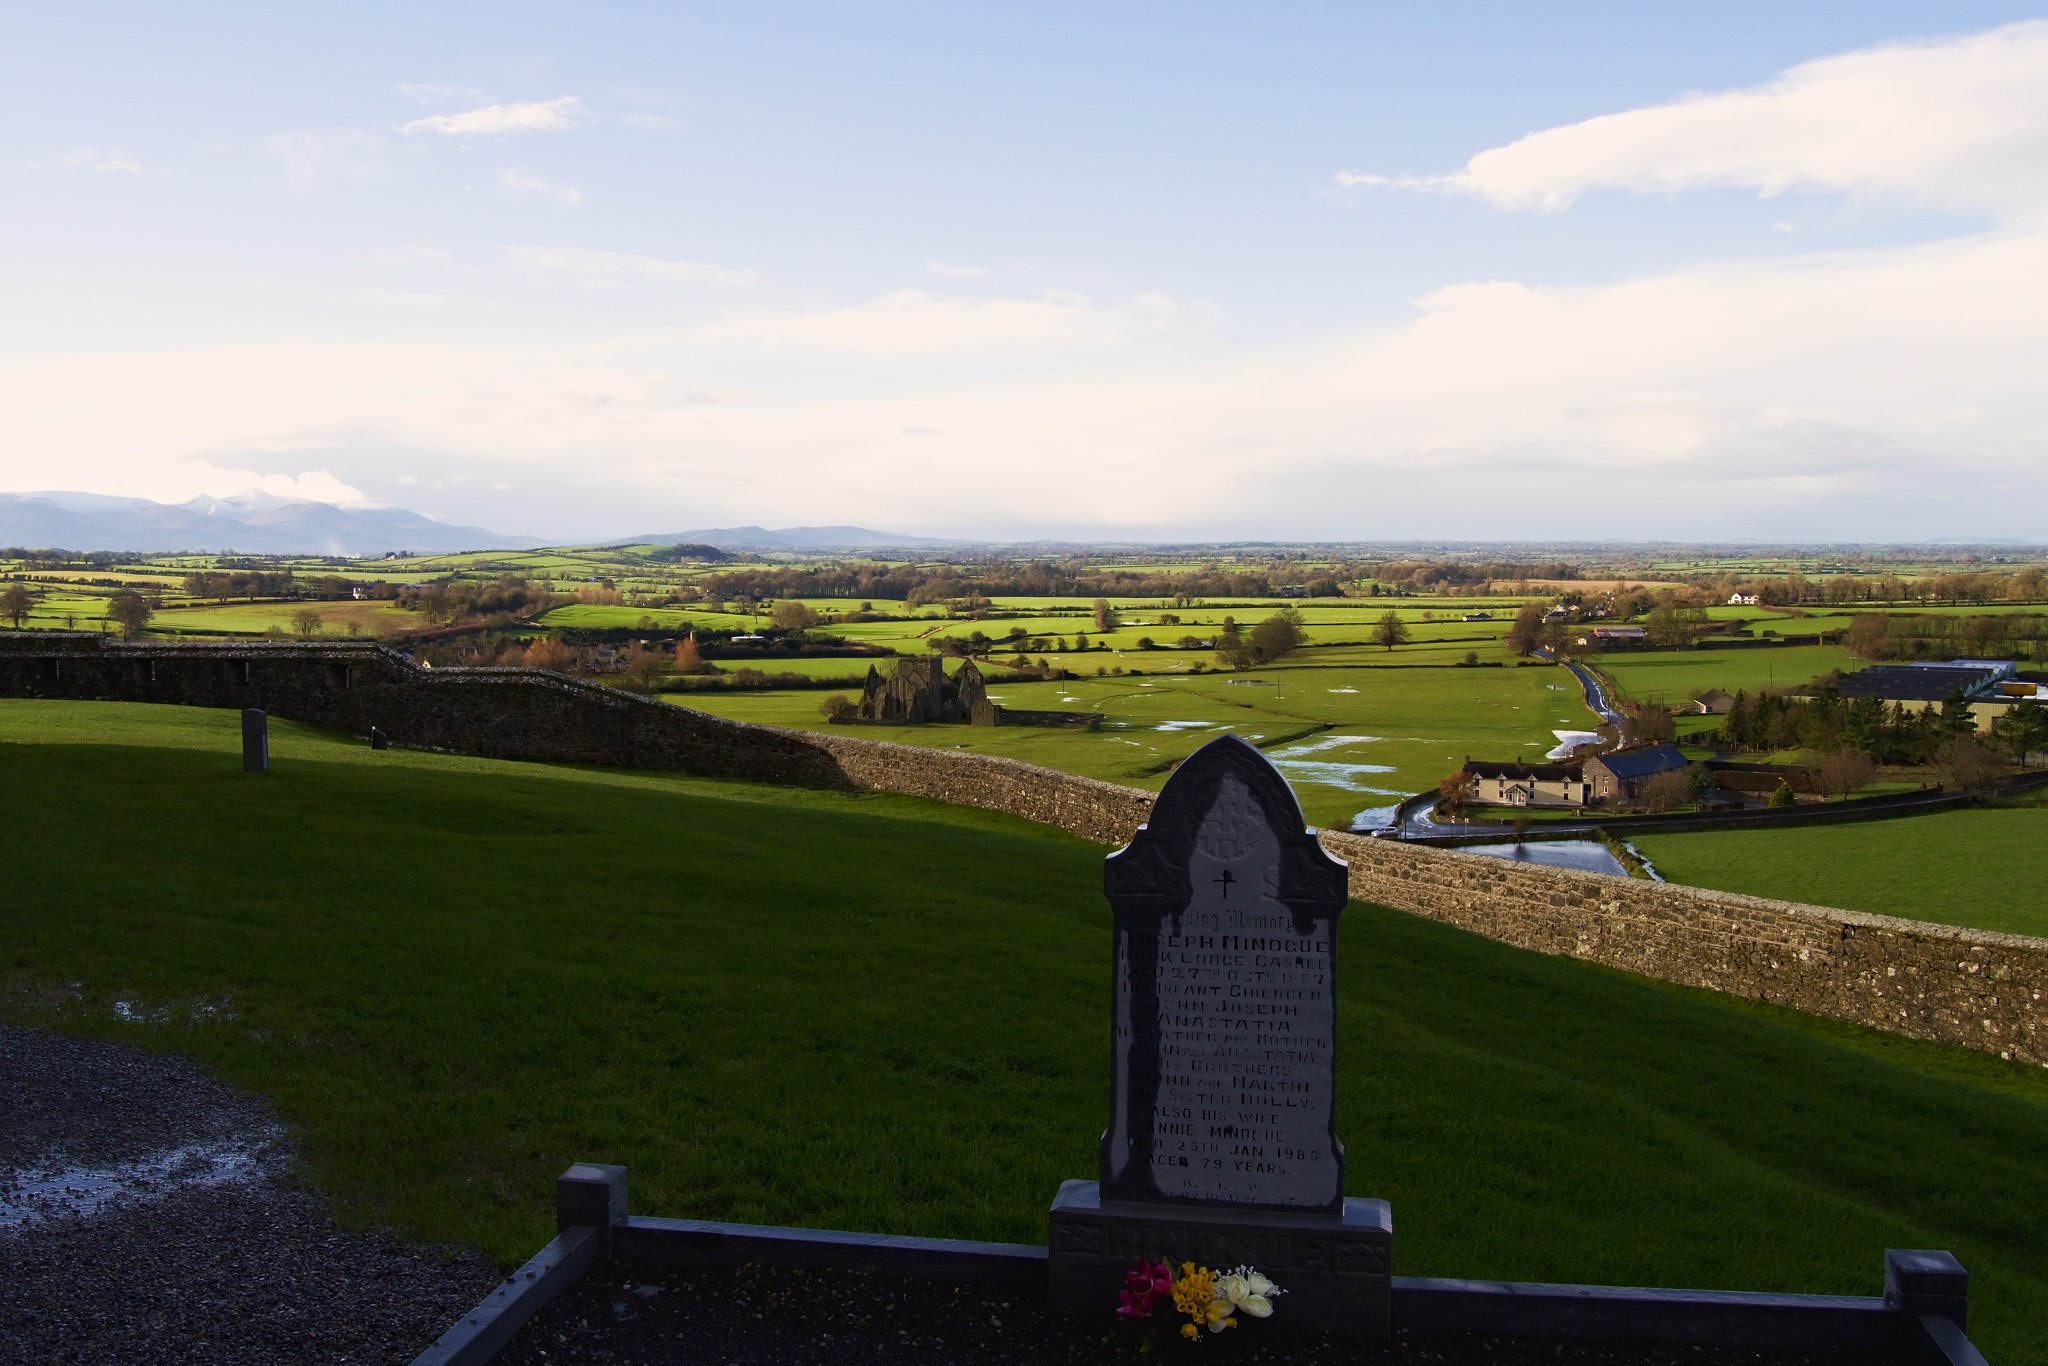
1588 856
1343 690
1182 725
1568 740
1332 774
1327 742
201 1011
1375 817
44 1195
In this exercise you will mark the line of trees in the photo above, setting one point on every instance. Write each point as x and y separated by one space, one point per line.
1828 723
1876 636
920 586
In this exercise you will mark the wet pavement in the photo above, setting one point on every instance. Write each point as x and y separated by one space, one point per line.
149 1214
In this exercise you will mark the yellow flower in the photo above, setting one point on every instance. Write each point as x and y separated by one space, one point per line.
1187 1330
1193 1291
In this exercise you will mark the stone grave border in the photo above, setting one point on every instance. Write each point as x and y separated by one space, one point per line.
1922 1317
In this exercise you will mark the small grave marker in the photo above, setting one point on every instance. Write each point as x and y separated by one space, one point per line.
1222 1143
255 740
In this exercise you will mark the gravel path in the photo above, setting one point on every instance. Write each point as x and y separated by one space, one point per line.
146 1215
766 1316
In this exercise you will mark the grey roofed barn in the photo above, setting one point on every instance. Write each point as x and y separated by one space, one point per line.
1916 682
1632 764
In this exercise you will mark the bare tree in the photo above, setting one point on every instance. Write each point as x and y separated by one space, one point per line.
550 654
1666 790
791 615
1969 764
16 602
1845 771
1456 790
1527 631
1647 725
306 623
1389 630
131 610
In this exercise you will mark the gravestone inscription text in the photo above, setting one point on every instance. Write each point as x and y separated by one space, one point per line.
1224 1028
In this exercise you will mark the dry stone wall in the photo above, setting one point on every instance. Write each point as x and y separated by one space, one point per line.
1958 986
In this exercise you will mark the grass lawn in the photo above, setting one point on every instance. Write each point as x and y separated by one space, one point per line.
1675 676
370 618
1985 869
454 976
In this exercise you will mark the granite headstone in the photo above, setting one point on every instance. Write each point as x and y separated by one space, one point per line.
255 740
1222 1143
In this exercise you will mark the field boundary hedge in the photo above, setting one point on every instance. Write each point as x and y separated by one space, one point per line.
1973 988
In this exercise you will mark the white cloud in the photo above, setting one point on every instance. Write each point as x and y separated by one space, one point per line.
526 182
1960 124
314 486
98 160
533 116
610 269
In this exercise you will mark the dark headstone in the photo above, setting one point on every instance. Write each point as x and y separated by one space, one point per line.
378 739
1222 1144
255 740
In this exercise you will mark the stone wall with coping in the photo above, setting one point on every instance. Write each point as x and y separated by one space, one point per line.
534 714
1976 988
1959 986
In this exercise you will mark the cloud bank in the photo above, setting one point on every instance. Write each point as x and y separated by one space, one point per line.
1961 124
1870 394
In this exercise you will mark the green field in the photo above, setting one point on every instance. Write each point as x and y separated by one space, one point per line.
1674 677
1349 738
455 976
1985 869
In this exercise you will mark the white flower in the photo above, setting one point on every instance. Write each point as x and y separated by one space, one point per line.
1249 1291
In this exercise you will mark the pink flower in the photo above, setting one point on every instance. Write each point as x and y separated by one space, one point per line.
1151 1281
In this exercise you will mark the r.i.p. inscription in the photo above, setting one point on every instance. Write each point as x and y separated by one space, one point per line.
1223 1037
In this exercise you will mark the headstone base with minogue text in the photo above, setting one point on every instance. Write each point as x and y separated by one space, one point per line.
1337 1270
1222 1144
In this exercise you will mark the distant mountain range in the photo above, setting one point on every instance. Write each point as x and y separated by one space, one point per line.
259 524
789 538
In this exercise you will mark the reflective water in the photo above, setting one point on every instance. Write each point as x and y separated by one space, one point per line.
1588 856
1568 740
43 1194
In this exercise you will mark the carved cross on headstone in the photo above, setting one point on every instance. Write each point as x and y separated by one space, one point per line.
1222 1143
1224 1034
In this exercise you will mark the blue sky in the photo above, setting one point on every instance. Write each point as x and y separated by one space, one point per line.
1162 271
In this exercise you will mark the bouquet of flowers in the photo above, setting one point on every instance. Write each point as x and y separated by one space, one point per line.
1210 1299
